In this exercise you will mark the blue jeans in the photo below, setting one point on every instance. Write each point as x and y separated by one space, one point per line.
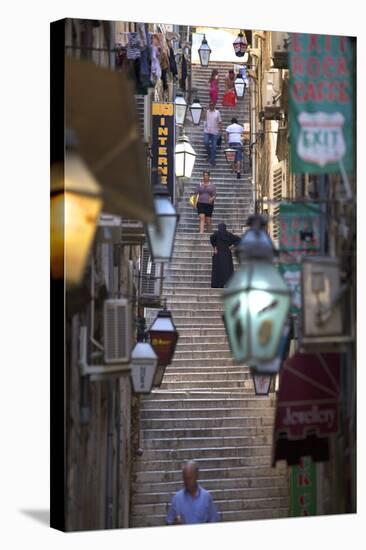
210 141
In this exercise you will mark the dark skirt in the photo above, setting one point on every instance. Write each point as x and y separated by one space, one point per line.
205 209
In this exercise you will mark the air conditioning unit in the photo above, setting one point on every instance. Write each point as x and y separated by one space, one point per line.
109 228
280 44
271 93
117 331
133 232
151 277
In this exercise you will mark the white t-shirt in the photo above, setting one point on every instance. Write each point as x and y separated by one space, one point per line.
234 131
213 119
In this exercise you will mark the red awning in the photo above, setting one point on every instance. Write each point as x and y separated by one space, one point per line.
307 406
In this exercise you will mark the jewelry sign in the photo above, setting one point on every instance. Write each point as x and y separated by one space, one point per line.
163 143
321 103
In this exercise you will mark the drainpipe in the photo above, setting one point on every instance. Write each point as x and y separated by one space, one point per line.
109 460
253 138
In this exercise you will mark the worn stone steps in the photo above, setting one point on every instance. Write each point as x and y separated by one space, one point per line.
219 495
219 412
206 408
206 432
159 402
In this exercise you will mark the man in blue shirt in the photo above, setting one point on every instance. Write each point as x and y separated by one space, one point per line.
193 504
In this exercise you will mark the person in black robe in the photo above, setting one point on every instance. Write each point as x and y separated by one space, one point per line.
222 261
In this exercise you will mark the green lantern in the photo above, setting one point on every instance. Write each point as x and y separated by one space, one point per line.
256 299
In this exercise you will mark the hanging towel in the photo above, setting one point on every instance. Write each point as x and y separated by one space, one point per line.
133 46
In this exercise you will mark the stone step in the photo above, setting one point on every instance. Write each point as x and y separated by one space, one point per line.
222 505
161 403
205 371
206 422
255 456
194 444
220 388
210 377
218 472
226 516
219 495
171 434
212 485
219 413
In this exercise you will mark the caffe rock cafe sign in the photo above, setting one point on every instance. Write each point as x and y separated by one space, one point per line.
321 103
162 147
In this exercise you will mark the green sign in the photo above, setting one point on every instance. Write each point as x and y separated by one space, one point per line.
303 488
321 98
299 229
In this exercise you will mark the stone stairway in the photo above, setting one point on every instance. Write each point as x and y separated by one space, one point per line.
206 408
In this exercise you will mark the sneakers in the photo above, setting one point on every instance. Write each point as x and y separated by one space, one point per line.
238 175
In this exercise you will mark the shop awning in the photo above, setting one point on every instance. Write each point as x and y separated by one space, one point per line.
307 407
100 109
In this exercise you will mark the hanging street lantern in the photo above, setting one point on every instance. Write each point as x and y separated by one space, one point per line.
143 362
262 383
185 157
196 111
204 52
230 155
161 234
239 86
75 206
164 337
240 45
256 299
180 109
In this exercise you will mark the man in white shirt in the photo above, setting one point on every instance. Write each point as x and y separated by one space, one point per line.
233 137
212 130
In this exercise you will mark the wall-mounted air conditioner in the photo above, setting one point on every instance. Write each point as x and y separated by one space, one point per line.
117 331
151 276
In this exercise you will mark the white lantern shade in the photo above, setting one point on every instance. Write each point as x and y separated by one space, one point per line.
143 367
204 52
262 383
239 86
185 157
196 112
161 234
180 109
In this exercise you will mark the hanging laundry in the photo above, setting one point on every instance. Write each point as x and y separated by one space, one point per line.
155 64
172 62
182 82
133 46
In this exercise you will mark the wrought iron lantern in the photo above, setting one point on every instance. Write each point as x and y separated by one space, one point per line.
196 111
75 206
185 157
239 86
240 45
230 154
144 362
180 109
262 383
256 299
161 234
204 52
